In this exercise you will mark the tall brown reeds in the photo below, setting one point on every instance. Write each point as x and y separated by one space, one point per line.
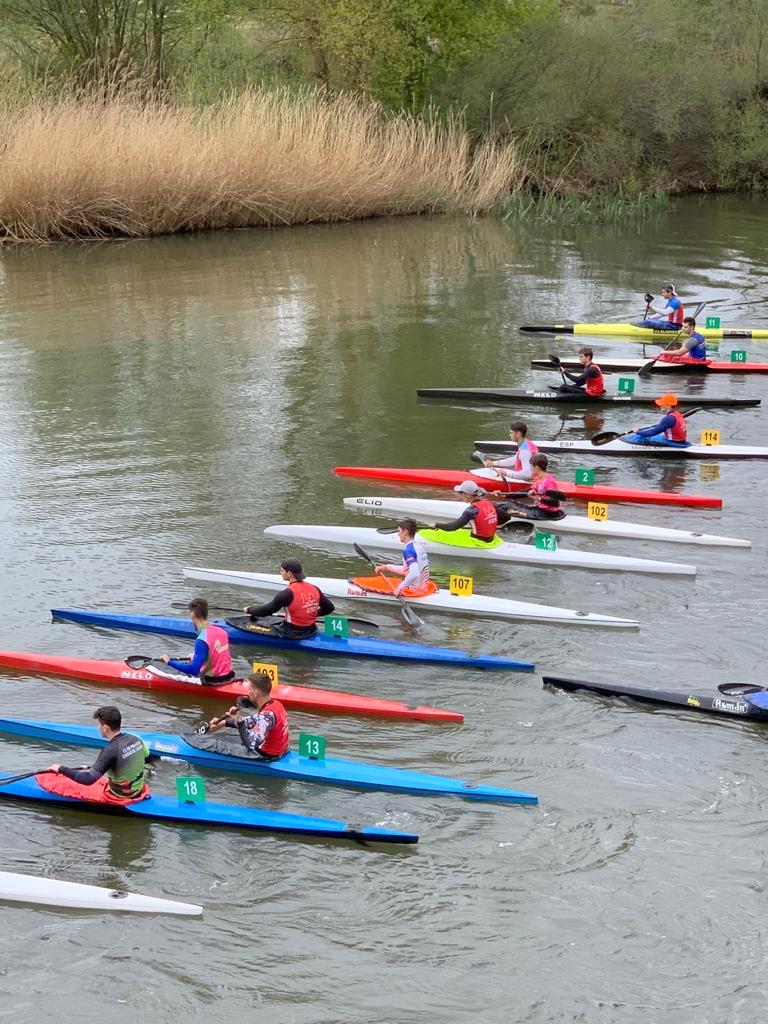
89 169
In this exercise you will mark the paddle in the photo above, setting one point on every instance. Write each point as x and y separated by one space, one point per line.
409 614
369 623
605 436
737 689
26 775
645 371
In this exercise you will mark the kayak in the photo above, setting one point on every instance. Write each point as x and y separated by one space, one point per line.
51 892
301 698
619 447
633 331
452 477
660 366
442 600
164 808
330 770
575 398
715 705
360 647
428 510
505 551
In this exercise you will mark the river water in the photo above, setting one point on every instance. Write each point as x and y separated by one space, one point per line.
162 402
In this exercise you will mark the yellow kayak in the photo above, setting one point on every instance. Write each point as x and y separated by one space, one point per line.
644 333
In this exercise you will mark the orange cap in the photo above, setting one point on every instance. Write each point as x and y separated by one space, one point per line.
668 399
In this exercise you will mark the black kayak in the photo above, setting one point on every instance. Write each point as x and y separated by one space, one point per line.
498 395
729 705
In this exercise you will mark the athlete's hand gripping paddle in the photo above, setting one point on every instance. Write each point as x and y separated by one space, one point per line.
409 614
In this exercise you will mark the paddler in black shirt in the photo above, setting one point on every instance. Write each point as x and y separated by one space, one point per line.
303 602
118 775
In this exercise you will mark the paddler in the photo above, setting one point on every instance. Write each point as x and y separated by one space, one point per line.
669 316
671 427
264 734
481 516
693 348
517 466
590 381
118 775
303 603
415 564
544 491
210 662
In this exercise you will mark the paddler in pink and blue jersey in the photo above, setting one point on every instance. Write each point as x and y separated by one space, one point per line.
415 567
671 428
544 491
517 466
210 661
670 315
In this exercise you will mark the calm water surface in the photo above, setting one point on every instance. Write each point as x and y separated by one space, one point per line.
160 404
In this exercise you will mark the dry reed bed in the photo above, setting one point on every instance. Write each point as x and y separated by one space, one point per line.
74 169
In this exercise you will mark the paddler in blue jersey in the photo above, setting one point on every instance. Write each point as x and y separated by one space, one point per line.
210 662
669 316
671 428
517 466
415 565
693 348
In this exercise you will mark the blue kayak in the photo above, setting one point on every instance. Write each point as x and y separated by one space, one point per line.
163 808
292 766
358 647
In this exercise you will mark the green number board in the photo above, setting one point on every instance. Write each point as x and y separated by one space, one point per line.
738 355
712 323
190 789
626 385
546 541
585 477
336 625
311 746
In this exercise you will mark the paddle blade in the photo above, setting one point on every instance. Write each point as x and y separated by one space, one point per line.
604 437
477 457
137 661
363 554
410 616
737 689
646 370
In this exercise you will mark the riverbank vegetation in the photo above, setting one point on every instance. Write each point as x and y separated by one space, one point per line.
144 116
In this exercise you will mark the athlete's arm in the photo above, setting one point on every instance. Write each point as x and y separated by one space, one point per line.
469 513
87 776
326 605
581 378
195 666
254 729
281 600
666 423
524 473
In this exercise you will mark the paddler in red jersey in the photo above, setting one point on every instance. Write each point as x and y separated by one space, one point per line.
210 662
118 775
481 516
303 603
544 491
590 381
263 734
671 428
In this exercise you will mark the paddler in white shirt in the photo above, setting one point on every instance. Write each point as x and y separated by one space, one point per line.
517 466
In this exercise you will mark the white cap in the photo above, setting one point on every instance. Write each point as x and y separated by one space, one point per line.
469 487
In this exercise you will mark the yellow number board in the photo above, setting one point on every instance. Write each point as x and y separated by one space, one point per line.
597 510
271 670
710 438
461 586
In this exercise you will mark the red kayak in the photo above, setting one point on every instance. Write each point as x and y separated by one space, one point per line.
452 477
302 698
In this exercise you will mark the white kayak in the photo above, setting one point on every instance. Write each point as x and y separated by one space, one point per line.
529 554
618 447
428 510
52 892
442 601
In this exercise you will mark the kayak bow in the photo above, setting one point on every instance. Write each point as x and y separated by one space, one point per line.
443 600
163 808
360 647
348 536
492 482
330 770
302 698
51 892
730 707
500 395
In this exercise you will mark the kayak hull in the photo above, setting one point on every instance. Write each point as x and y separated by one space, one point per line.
330 771
627 330
210 815
618 447
428 510
497 395
718 704
301 698
52 892
452 477
359 647
526 554
443 600
660 366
